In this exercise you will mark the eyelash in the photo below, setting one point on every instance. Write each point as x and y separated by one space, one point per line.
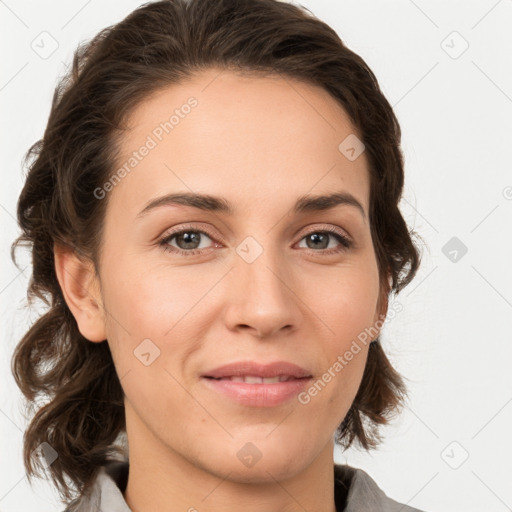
345 242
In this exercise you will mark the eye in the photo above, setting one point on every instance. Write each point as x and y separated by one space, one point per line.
320 239
189 241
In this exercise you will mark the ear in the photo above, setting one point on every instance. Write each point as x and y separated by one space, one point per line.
81 289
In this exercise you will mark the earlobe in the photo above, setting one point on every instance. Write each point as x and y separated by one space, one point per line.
80 288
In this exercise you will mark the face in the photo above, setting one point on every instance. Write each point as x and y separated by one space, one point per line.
189 289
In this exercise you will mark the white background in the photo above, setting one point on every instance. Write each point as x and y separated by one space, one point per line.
452 339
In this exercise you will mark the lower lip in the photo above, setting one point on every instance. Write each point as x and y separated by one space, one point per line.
258 395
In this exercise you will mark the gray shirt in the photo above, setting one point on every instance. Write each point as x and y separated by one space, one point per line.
355 490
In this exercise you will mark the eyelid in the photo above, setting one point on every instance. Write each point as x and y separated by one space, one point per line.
190 227
313 228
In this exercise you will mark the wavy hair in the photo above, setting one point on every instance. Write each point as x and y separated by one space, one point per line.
159 44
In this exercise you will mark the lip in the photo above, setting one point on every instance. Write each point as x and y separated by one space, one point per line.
258 395
274 369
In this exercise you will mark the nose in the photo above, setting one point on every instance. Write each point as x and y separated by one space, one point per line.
262 296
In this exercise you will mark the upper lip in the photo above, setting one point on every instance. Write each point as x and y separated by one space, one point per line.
243 368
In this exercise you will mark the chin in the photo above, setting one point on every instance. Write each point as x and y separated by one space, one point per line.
266 470
261 460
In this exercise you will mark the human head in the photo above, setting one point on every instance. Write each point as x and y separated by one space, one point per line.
157 46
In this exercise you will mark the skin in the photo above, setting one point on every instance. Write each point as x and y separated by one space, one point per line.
261 142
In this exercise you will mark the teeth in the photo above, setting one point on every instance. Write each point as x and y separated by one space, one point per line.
250 379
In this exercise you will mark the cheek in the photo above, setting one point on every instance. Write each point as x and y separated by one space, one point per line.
346 305
349 306
157 310
150 300
148 338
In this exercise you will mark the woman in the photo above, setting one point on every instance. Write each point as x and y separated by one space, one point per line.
213 216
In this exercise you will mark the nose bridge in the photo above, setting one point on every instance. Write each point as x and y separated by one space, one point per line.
263 286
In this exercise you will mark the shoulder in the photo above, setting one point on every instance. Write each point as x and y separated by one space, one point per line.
106 493
363 493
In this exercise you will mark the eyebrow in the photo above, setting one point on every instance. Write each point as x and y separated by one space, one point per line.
206 202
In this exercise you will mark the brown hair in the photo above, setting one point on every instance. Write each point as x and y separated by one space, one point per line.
159 44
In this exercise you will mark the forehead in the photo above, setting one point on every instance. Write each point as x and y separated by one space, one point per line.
252 137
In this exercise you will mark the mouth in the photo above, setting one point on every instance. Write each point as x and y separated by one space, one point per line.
256 391
257 385
254 379
250 370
